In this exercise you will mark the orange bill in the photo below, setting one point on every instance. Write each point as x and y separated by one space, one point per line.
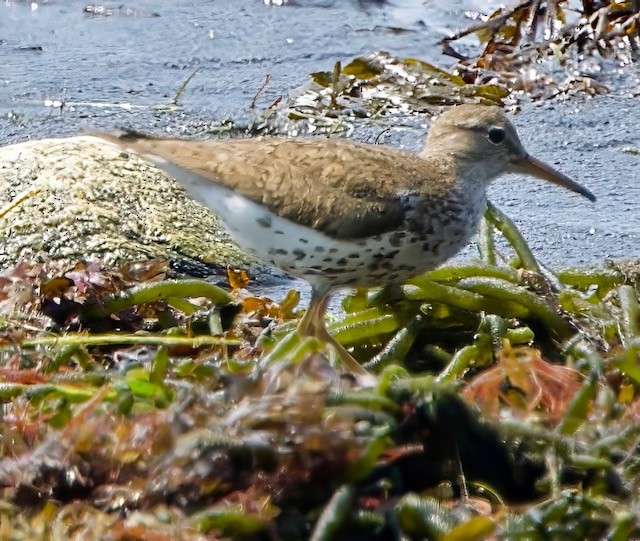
536 168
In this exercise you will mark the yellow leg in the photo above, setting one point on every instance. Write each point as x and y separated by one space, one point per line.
314 315
313 324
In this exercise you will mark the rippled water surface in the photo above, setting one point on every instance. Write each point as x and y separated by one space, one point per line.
141 53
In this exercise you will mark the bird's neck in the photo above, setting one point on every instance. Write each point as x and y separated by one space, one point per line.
467 165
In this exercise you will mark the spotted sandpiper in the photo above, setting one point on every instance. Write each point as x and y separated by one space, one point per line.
339 213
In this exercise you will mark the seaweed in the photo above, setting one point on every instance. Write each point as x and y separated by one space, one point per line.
138 405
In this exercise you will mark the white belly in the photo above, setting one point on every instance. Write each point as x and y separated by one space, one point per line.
312 255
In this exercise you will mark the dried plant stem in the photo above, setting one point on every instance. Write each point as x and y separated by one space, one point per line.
81 339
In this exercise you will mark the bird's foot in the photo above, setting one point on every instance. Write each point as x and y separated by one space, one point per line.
316 328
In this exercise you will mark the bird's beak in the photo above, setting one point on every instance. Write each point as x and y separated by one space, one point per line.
532 166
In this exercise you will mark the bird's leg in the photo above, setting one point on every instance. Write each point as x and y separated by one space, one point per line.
313 324
314 315
347 359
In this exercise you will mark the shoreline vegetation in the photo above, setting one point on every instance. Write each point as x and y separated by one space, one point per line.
139 405
178 403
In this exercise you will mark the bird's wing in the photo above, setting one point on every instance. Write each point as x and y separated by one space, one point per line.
344 189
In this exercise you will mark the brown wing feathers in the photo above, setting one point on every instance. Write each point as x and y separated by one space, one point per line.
342 188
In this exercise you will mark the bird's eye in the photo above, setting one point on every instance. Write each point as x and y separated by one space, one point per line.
496 135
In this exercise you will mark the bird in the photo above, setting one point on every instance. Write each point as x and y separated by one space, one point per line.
340 213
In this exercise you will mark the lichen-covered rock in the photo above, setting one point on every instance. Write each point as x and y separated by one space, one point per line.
78 198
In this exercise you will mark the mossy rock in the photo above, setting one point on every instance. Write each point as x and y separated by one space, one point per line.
78 199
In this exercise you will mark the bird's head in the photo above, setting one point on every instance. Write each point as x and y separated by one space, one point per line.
484 137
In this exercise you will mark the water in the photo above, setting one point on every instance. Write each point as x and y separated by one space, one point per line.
56 51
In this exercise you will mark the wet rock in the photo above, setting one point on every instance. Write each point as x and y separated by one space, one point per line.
77 198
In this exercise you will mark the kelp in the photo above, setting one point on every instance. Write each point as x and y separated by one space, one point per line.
378 85
133 398
531 49
517 39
